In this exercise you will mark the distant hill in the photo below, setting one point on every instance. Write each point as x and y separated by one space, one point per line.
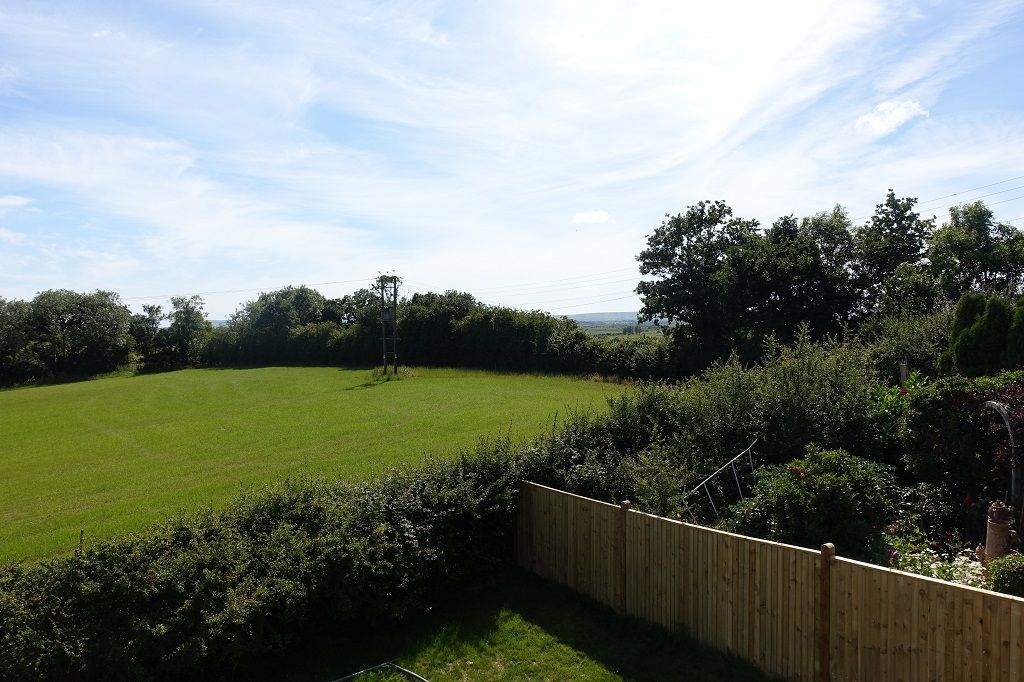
625 317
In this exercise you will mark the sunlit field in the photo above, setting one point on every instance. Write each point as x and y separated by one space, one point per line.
112 455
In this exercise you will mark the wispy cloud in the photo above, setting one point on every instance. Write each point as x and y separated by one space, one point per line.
231 141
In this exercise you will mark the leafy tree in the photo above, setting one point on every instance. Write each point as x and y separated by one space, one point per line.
910 291
781 279
687 254
189 329
18 359
76 333
144 329
972 251
428 320
896 234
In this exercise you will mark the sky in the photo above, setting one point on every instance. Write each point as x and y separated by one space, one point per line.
521 151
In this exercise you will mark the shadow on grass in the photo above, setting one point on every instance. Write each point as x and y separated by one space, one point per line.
518 627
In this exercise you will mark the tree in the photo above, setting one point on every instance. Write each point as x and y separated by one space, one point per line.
263 327
784 278
144 330
80 333
687 254
18 359
981 349
896 234
189 329
1015 339
972 251
910 291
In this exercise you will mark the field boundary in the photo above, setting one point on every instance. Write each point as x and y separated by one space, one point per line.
791 611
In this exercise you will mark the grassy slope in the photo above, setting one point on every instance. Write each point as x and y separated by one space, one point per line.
112 455
520 628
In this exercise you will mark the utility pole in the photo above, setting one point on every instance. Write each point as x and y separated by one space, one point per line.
386 287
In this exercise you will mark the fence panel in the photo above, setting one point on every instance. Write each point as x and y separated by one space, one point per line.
754 598
765 601
892 625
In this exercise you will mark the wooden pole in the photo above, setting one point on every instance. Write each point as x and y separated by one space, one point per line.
621 552
828 555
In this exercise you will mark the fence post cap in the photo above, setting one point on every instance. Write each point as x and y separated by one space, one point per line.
828 550
626 504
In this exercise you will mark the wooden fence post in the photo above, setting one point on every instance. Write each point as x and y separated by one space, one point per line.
621 550
828 555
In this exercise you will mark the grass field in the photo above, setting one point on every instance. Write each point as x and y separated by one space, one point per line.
519 628
114 454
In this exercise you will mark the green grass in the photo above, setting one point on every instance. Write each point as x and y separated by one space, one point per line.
114 454
518 628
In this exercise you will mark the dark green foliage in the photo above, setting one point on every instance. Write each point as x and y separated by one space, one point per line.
827 496
980 349
1015 339
969 310
1006 574
959 450
918 340
895 235
911 290
724 286
972 251
62 333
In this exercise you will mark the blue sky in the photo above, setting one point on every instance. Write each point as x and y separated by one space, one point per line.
521 151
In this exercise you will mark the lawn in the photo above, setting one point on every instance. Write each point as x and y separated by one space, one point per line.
517 628
112 455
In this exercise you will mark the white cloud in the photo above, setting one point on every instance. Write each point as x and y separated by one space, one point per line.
11 237
591 217
888 116
103 33
12 201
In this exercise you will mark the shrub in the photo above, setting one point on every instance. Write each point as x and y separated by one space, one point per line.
827 496
1015 338
815 393
919 340
1006 574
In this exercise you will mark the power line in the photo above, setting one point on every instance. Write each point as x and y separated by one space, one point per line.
990 194
921 205
965 191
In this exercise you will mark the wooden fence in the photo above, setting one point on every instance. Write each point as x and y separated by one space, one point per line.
793 612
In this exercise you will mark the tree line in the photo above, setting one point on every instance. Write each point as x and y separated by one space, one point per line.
724 284
718 285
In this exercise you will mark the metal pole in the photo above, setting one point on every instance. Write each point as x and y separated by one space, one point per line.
713 507
736 476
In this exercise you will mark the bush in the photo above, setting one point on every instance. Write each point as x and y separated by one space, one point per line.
1006 574
919 340
827 496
